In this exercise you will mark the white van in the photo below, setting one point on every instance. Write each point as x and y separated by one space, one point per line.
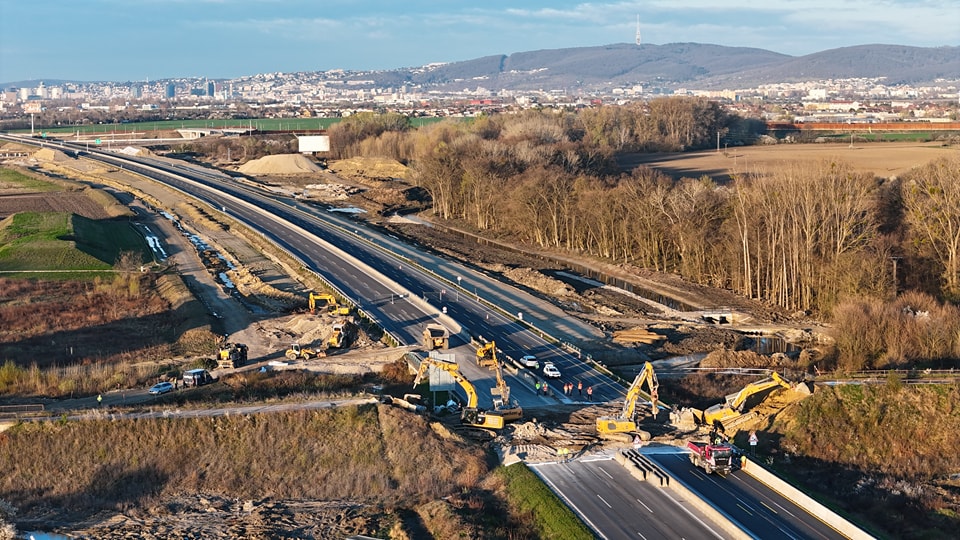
197 377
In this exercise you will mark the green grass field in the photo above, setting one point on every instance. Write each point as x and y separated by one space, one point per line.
71 245
11 178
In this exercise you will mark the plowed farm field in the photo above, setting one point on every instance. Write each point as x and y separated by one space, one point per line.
884 160
74 202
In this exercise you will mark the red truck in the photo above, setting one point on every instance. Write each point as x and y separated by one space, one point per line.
712 457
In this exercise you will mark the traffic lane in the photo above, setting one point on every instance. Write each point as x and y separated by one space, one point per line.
756 508
404 320
471 281
621 506
419 283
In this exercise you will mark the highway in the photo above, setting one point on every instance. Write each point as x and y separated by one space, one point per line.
619 507
335 247
402 289
756 508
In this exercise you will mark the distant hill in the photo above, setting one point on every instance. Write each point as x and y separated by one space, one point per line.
670 66
693 65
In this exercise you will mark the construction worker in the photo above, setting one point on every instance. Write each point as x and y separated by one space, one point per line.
99 399
559 455
580 388
589 393
743 461
537 385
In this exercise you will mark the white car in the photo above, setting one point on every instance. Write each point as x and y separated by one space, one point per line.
550 371
530 361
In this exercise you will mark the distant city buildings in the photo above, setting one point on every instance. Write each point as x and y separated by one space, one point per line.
341 93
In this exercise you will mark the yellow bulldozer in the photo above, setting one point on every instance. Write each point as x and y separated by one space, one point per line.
231 356
296 352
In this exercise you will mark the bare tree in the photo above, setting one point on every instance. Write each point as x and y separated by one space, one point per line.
931 199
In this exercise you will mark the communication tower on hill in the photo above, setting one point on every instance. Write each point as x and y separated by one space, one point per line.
638 29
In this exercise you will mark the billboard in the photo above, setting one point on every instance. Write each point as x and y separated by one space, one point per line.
313 143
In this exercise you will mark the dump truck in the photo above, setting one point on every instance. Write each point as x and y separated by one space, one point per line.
712 458
231 356
487 355
435 336
338 337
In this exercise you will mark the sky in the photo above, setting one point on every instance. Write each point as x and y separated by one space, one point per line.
135 40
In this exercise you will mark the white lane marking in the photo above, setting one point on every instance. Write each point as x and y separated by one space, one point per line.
645 506
604 502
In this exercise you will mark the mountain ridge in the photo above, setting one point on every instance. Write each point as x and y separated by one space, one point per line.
700 65
670 66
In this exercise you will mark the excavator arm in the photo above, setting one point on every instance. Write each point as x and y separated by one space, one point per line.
454 370
471 414
625 422
734 404
648 376
752 389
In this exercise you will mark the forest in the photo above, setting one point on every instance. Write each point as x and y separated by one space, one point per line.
820 240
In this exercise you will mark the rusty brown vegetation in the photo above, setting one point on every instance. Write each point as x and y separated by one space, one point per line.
814 239
297 455
56 332
886 453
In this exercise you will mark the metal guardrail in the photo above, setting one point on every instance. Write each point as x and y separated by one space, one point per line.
19 411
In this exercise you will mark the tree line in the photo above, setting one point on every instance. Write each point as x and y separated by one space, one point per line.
801 236
804 237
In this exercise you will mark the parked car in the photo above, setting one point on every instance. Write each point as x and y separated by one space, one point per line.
161 388
530 361
550 371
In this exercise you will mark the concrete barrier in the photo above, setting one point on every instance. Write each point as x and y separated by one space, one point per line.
728 526
825 515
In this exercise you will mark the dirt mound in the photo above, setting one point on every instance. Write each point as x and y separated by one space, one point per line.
49 154
280 164
369 168
536 280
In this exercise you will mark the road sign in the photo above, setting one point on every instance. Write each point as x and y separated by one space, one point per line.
97 141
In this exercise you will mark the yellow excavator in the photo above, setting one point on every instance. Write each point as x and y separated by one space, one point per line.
330 304
626 422
735 404
487 355
509 410
471 414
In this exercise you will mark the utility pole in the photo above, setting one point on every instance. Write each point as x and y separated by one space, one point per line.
718 142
